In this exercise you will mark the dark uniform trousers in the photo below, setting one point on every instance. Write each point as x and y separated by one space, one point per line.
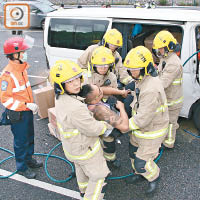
23 132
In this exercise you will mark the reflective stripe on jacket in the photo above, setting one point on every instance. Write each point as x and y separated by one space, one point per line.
171 77
17 90
150 118
79 130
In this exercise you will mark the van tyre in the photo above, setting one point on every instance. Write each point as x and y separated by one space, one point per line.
196 117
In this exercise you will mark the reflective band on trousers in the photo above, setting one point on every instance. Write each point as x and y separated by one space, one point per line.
150 135
151 169
180 100
82 185
97 190
88 154
67 134
170 139
111 157
177 81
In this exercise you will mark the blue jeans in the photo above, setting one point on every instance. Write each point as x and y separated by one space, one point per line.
23 133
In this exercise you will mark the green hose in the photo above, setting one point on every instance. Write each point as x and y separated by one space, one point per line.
66 161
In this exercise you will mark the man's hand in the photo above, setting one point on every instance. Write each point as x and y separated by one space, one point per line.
33 107
119 105
124 93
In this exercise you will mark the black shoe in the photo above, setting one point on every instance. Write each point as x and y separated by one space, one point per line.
115 163
27 173
133 179
34 163
82 194
152 186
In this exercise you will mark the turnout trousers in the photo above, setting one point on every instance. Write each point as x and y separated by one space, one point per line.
91 175
142 153
173 126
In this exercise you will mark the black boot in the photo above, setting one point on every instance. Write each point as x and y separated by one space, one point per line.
27 173
134 179
82 194
152 186
34 163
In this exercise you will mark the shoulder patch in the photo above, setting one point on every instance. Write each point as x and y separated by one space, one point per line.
4 85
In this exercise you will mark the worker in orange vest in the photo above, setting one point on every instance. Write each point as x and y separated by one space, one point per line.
16 97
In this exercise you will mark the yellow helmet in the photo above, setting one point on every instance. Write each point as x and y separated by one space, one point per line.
64 71
164 39
140 58
114 37
102 56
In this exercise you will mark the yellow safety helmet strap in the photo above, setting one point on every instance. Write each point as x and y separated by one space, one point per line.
62 89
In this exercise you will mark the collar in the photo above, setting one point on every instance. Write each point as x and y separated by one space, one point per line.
18 67
78 97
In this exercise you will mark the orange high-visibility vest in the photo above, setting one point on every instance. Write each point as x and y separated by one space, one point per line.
15 88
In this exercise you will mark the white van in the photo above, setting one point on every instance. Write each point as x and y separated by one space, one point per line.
69 32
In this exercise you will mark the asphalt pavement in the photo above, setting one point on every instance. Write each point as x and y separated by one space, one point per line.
180 167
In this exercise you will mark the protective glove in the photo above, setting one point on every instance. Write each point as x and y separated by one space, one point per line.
127 102
130 86
33 107
115 133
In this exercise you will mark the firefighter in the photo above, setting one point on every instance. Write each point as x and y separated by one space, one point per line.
101 64
112 40
79 130
16 97
170 73
150 120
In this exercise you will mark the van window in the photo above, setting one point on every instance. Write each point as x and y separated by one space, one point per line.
144 34
76 33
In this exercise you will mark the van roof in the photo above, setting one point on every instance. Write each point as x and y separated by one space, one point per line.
134 13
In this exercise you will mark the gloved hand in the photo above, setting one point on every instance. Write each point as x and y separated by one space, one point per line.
115 133
33 107
130 86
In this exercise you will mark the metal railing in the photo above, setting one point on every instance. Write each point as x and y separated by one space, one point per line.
128 2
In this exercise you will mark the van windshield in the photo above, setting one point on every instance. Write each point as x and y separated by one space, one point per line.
76 33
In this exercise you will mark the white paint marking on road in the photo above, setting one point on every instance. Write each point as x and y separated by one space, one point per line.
43 185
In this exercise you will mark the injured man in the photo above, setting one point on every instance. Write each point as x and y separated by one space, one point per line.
112 112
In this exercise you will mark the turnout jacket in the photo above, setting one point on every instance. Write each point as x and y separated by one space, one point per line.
150 117
79 130
171 75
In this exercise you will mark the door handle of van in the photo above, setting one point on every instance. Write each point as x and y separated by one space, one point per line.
194 61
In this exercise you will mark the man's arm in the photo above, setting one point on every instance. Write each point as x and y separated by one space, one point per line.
102 113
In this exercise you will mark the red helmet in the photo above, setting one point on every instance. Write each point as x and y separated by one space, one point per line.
14 45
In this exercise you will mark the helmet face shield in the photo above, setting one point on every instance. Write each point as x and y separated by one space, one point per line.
73 78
